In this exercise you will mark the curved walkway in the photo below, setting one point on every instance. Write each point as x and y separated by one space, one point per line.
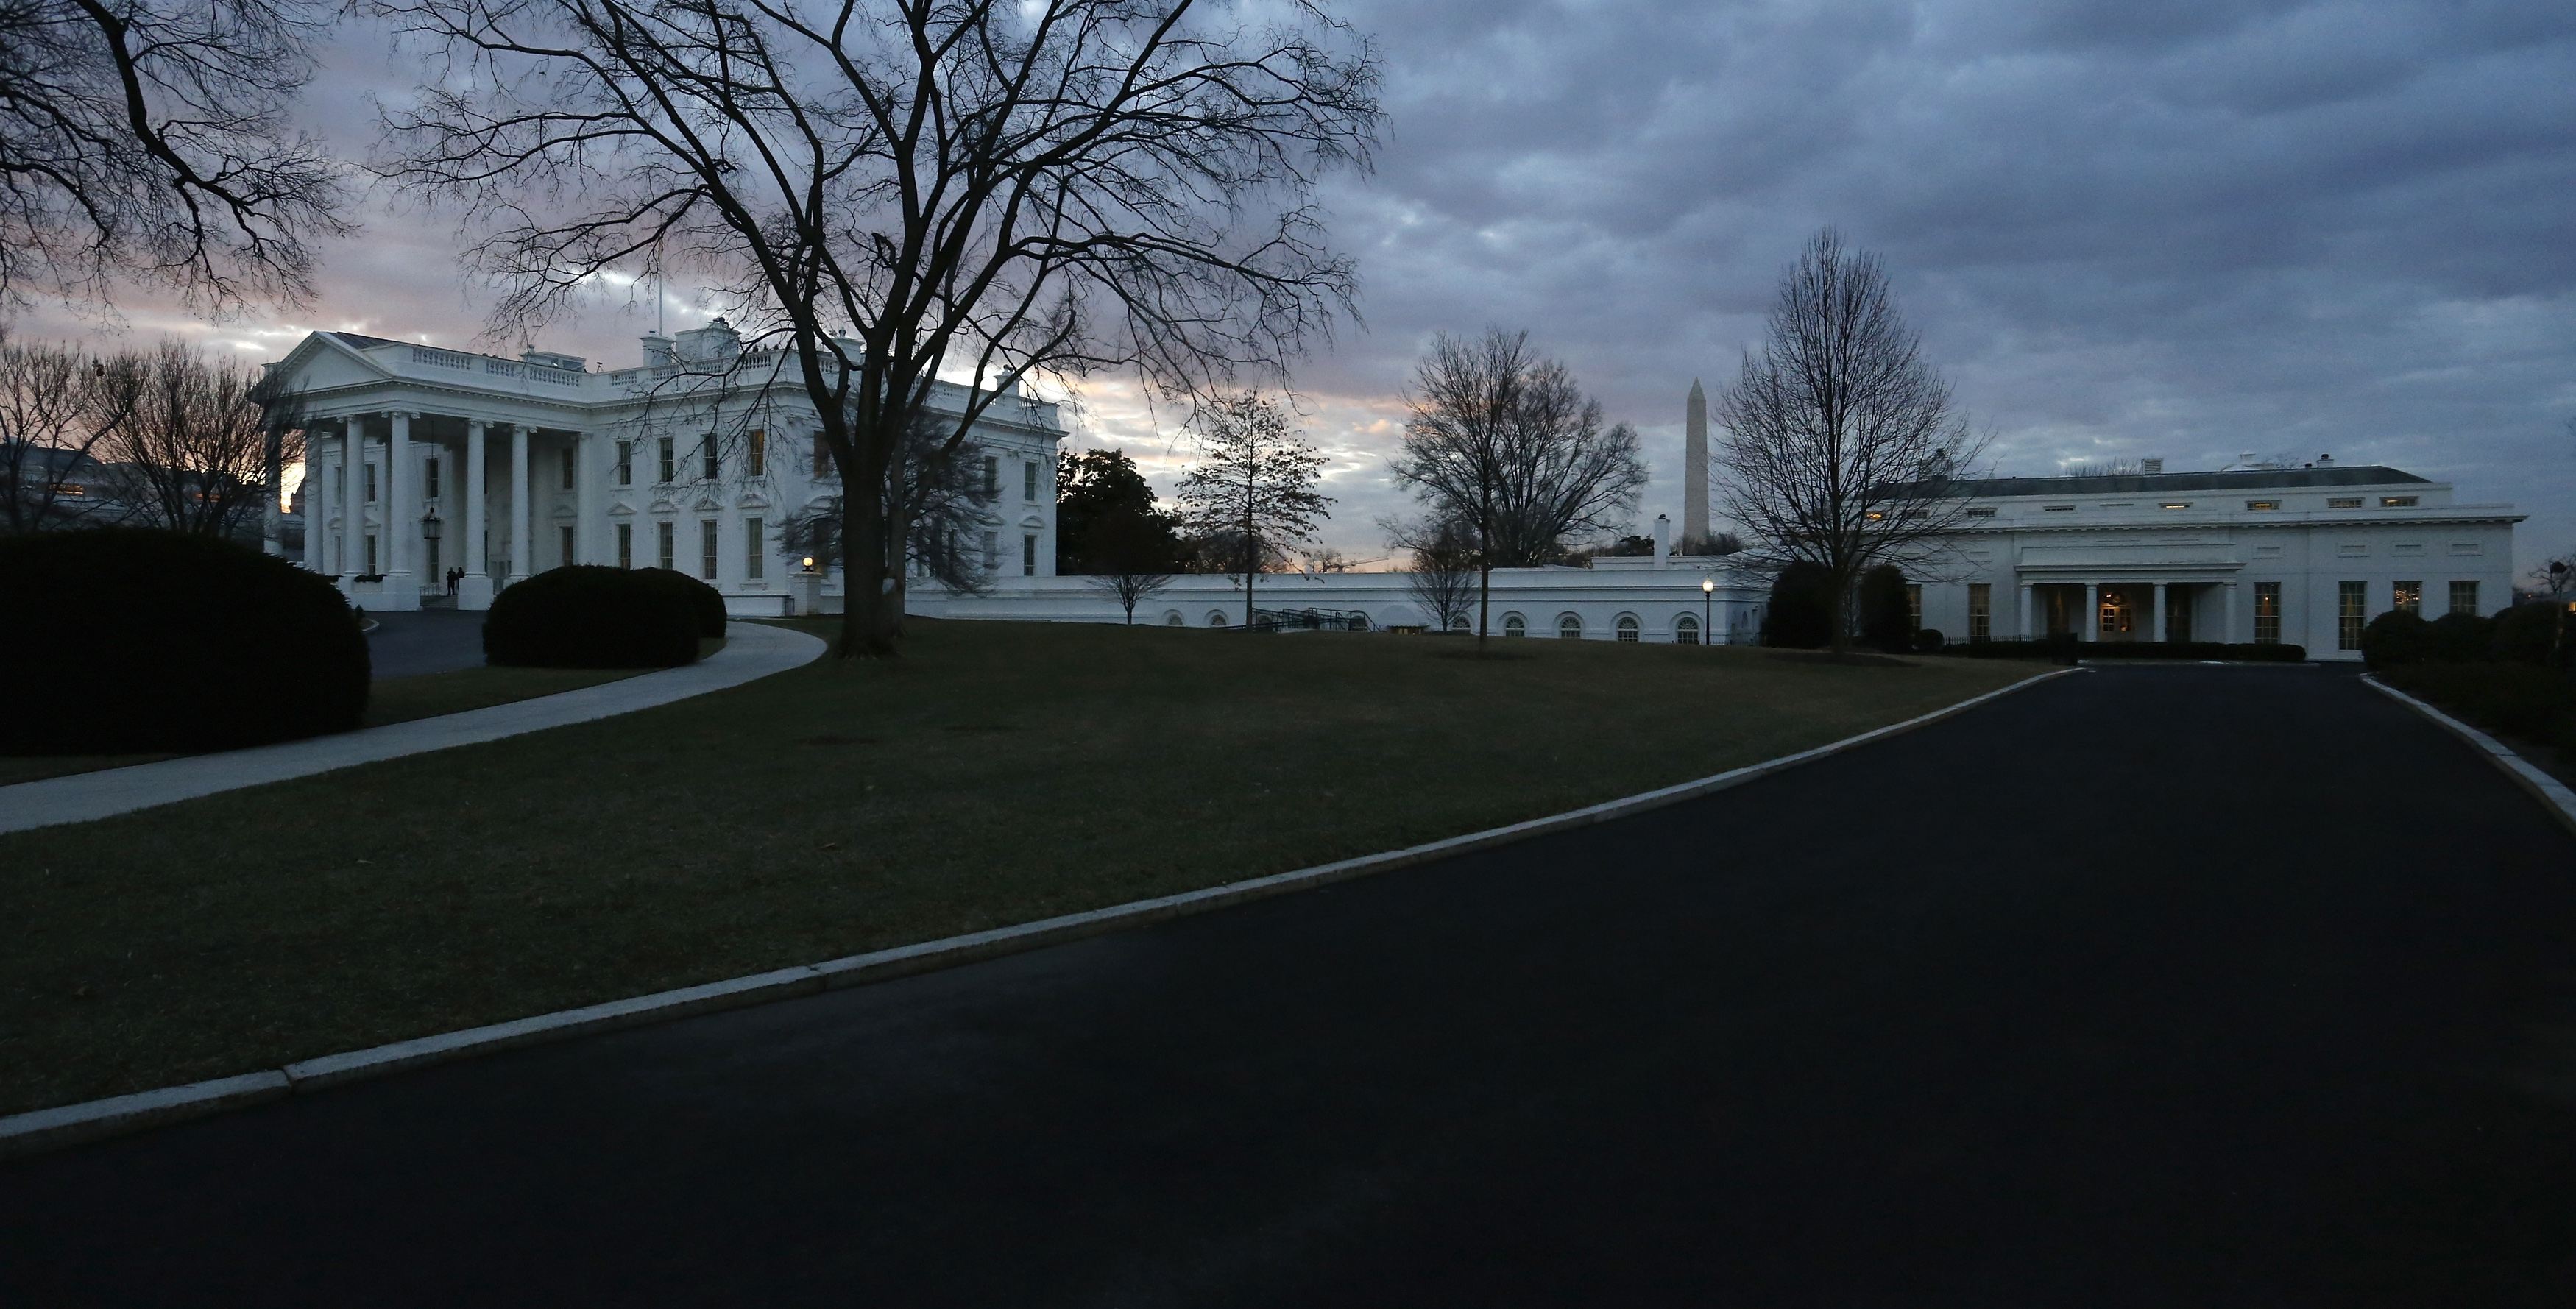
752 651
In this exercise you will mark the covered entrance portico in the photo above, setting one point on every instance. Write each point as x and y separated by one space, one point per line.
2129 594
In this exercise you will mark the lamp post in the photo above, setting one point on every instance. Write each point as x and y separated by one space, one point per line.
1708 611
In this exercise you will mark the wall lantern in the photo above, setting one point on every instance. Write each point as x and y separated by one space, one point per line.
429 525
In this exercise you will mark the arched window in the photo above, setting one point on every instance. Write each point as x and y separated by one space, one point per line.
1174 619
1515 625
1627 627
1686 630
1569 627
1216 618
1459 623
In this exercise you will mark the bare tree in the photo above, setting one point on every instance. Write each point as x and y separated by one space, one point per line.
1504 443
1132 558
1255 489
198 453
149 139
890 193
58 407
936 509
1446 565
1843 448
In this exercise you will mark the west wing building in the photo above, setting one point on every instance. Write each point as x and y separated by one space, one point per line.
421 460
2304 556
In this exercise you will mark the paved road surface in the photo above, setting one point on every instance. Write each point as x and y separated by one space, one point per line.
2146 987
425 641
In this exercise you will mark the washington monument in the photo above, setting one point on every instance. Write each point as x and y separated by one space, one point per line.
1695 470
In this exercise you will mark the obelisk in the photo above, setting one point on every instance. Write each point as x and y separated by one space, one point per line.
1695 471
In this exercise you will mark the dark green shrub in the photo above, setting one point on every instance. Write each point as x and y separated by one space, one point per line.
2525 633
129 641
587 616
1801 613
2461 638
2400 636
2522 700
1886 620
2064 648
1928 641
705 603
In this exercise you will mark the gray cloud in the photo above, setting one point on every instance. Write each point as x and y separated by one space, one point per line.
2185 229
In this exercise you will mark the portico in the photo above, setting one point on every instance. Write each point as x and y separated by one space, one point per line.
2189 605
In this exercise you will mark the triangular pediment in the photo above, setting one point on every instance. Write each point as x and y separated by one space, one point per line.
621 509
706 505
323 362
663 505
752 500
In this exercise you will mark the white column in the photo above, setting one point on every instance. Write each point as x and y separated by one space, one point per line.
2159 633
2090 627
475 591
2026 633
353 498
318 473
584 500
402 513
522 524
2227 620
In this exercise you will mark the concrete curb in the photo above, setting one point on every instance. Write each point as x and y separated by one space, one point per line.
2551 792
49 1129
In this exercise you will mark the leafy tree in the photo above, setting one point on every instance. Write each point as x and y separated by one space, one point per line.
1096 489
1253 496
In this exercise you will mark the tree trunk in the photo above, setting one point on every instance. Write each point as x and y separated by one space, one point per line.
871 607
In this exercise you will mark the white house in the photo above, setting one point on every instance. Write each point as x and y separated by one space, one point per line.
2304 556
690 460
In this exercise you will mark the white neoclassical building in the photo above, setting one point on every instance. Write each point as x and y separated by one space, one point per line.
421 460
2303 556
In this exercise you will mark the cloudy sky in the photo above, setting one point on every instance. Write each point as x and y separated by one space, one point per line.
2190 229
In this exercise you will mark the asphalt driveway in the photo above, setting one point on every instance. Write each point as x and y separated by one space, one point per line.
2186 986
425 641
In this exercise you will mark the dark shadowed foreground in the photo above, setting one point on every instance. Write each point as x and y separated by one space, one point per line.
2160 987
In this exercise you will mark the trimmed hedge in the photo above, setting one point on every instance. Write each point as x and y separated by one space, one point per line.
124 641
2525 633
706 604
2524 700
2066 649
2400 636
1886 619
588 616
1800 613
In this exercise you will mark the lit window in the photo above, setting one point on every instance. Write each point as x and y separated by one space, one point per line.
2267 613
2350 598
2343 502
1685 630
755 454
2114 615
2409 596
1626 628
1981 601
707 548
1515 625
2176 504
2396 502
2262 504
755 547
1569 628
1875 515
2464 597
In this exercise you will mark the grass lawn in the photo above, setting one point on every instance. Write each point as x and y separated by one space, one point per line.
393 700
997 774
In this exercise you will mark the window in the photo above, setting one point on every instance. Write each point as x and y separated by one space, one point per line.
371 489
1029 480
992 551
1569 628
2058 509
2468 547
1914 605
2350 597
371 553
566 538
429 478
755 549
2464 597
1028 556
1174 619
1626 628
1459 623
626 545
1981 610
710 460
567 468
1685 630
2175 504
668 560
1987 512
1515 625
431 569
669 471
992 476
2343 502
626 463
2409 596
1874 515
2267 613
2396 502
755 453
822 455
707 548
1216 618
2262 504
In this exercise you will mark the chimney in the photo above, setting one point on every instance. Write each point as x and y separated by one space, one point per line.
2151 466
657 351
1663 539
2325 461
